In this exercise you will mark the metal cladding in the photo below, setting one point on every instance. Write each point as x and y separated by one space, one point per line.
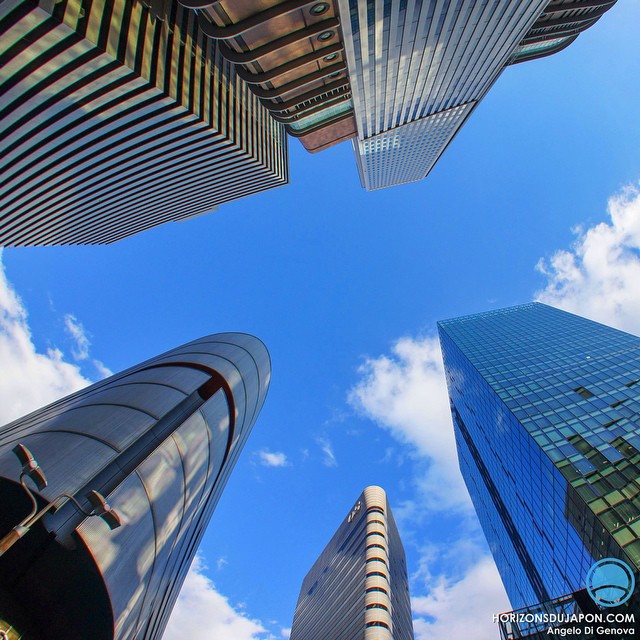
545 408
358 588
158 441
427 62
116 118
558 26
119 116
417 70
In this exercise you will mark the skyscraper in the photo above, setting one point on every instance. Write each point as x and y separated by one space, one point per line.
546 407
358 589
158 442
116 117
419 68
399 78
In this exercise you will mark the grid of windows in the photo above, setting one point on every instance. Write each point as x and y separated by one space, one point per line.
407 153
546 413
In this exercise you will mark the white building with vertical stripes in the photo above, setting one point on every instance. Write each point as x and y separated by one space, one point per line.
418 69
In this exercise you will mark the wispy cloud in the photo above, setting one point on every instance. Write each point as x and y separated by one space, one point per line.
202 613
272 458
329 459
80 349
29 379
599 275
286 633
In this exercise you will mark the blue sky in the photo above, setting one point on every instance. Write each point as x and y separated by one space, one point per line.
534 198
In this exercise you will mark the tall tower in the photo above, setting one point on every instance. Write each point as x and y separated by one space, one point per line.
116 117
398 77
419 68
158 442
546 408
358 588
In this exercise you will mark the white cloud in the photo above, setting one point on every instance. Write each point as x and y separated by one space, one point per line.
29 379
329 459
406 393
272 458
286 633
202 613
599 276
464 608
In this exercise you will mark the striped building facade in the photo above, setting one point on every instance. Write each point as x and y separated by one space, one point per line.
417 71
358 588
116 117
159 442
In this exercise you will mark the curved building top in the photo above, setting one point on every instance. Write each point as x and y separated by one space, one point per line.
158 441
358 586
561 22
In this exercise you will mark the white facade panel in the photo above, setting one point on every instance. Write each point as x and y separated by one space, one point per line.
358 588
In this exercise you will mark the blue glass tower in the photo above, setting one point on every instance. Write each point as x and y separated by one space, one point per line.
546 409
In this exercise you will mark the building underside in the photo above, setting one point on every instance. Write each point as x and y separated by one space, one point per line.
337 69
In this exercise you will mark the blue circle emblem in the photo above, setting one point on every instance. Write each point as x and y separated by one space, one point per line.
610 582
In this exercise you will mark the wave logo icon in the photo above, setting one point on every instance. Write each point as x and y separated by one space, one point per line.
610 582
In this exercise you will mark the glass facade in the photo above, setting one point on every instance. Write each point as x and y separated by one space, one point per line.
545 408
537 48
407 153
417 69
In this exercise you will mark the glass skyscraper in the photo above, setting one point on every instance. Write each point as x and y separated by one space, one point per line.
546 409
158 441
358 588
419 68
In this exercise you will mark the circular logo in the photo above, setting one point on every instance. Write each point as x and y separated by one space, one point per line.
610 582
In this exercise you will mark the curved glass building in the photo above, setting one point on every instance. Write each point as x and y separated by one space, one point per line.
358 587
158 441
